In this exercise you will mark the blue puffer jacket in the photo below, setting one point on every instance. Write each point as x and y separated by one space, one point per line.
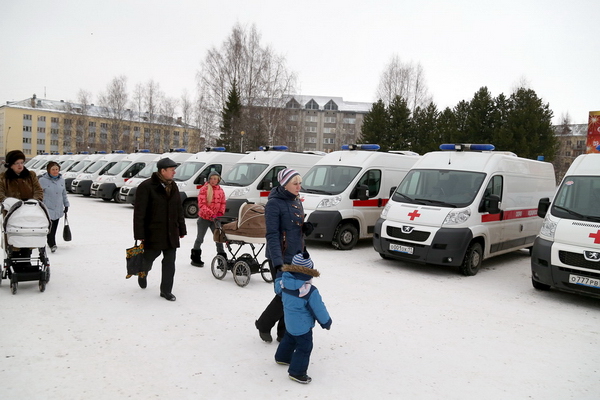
284 216
55 195
300 313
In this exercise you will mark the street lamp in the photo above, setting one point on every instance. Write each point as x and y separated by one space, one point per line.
242 133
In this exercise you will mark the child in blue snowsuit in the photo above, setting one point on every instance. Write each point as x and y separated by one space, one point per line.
302 305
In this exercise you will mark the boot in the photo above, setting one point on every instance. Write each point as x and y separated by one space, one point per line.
195 256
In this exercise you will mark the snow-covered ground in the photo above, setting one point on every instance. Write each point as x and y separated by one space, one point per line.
400 331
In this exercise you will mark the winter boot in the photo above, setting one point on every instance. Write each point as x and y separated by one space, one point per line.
196 261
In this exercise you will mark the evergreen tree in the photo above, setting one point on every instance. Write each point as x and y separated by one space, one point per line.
479 123
461 112
425 125
375 126
231 121
400 133
503 137
446 126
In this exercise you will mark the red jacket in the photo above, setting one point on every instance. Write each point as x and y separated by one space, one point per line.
214 209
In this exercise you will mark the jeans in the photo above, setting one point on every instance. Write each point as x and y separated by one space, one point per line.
203 226
295 350
168 266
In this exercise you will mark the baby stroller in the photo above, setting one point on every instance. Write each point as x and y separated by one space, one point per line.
25 226
249 229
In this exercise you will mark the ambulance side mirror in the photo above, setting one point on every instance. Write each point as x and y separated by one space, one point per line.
266 184
492 204
543 207
361 192
392 190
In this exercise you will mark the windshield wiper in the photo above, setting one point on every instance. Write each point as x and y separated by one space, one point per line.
438 202
316 191
570 211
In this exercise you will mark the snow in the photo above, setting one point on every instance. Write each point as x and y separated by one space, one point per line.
399 330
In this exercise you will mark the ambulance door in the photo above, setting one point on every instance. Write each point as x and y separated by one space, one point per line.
368 211
493 223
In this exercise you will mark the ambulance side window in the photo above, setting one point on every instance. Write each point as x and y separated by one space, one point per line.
494 187
203 176
271 177
372 180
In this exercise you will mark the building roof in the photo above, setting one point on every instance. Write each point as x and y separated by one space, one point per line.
571 130
348 106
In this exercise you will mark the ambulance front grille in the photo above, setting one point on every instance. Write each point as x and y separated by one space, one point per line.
414 236
577 260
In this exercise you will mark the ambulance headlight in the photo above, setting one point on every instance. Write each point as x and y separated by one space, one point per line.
548 228
109 179
457 216
180 185
240 192
330 202
86 177
385 210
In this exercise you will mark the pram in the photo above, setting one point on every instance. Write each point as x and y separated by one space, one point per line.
248 229
25 226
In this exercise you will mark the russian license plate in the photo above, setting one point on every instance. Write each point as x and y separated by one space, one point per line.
584 281
401 249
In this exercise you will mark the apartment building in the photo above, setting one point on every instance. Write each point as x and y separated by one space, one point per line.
571 143
39 126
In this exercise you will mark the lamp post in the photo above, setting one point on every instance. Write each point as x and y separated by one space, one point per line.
242 133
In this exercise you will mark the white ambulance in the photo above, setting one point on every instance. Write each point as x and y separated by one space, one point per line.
344 192
82 184
193 173
254 175
106 187
566 254
127 191
461 206
82 161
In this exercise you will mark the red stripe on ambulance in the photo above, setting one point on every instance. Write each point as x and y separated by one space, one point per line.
511 214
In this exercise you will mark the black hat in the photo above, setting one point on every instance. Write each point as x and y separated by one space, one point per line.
165 163
13 156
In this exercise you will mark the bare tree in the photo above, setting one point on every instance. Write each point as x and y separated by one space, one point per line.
406 80
78 117
261 77
113 106
168 107
563 158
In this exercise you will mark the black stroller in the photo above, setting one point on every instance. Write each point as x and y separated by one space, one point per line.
25 226
248 230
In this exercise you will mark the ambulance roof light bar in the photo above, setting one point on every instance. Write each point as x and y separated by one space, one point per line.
214 149
467 147
372 147
274 148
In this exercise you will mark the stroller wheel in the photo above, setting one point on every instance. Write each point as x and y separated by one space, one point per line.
265 271
241 273
48 274
218 267
42 285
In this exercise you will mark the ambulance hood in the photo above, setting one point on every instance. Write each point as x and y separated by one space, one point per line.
578 233
427 215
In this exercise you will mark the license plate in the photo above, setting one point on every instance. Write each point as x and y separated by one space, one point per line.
584 281
401 249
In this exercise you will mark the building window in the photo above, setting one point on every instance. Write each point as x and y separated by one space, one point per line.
312 105
67 121
53 131
292 128
330 120
26 129
26 140
27 116
331 105
292 104
310 139
41 118
92 123
328 141
41 141
328 130
310 129
103 125
293 118
54 120
311 118
41 129
349 120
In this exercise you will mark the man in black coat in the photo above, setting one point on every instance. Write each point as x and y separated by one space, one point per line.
159 223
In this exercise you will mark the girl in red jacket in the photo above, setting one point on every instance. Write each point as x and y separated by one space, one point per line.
211 204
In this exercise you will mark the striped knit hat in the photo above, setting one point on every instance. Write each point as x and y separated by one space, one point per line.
285 175
302 262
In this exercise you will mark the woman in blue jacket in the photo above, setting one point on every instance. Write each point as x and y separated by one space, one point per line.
55 199
284 219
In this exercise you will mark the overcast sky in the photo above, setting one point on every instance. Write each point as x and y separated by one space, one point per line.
337 48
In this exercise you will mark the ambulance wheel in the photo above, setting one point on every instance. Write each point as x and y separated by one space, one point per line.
13 287
190 208
42 285
472 261
106 199
384 256
345 237
218 267
241 273
539 285
265 272
116 197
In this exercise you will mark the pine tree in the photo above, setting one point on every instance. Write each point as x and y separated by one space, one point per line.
400 132
479 123
425 125
375 126
231 117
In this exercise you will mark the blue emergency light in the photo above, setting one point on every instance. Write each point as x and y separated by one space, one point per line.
143 151
471 147
214 149
372 147
178 150
118 151
275 148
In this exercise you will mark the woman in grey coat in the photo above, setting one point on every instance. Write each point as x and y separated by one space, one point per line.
55 199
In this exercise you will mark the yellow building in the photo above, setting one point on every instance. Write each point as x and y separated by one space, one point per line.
39 126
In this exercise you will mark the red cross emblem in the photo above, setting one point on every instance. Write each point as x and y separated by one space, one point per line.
416 214
596 236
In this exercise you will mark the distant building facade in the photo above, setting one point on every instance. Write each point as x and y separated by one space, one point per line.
39 126
572 143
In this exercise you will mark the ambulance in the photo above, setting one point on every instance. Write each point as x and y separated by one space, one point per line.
344 192
464 204
193 173
106 187
566 254
82 184
254 175
127 191
82 161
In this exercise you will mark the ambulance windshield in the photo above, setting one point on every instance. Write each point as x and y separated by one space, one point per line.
328 179
578 198
439 187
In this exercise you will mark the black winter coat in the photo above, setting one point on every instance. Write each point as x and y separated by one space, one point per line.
158 218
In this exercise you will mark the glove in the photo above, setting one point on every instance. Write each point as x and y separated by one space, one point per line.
307 228
66 209
326 325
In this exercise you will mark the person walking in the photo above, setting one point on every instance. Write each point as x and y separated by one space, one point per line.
55 199
302 305
284 219
211 204
159 223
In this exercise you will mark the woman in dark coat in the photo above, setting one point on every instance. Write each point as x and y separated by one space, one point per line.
284 219
159 223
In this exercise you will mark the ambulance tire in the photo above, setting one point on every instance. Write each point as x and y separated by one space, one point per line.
472 261
539 285
345 237
190 208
